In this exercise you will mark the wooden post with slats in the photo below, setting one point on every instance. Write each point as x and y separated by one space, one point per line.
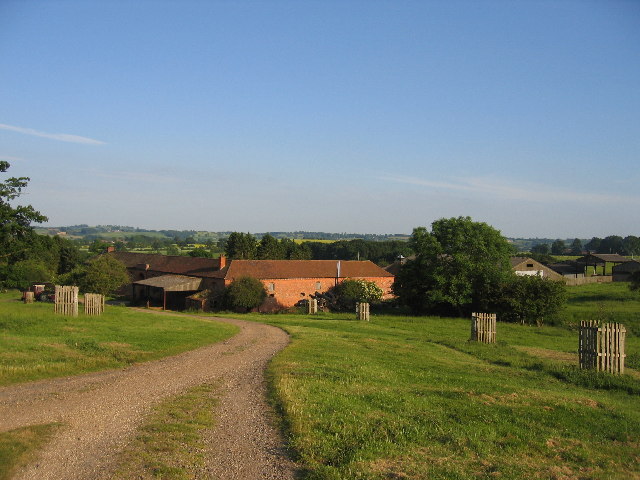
483 327
312 306
66 300
601 348
362 311
93 304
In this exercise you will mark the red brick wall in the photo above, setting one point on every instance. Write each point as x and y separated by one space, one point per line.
289 291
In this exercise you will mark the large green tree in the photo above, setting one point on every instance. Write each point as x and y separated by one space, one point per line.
15 221
241 246
576 247
270 249
459 267
102 274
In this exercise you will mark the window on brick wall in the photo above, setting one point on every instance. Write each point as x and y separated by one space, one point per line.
272 287
318 285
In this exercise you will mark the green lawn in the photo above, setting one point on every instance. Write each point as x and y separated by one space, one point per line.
607 302
411 398
35 343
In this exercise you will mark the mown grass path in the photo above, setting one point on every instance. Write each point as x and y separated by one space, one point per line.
100 412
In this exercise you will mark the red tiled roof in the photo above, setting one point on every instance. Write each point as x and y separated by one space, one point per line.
195 266
263 269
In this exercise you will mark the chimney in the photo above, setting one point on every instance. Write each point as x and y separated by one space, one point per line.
223 262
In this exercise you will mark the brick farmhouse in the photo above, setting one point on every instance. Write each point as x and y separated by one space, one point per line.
168 281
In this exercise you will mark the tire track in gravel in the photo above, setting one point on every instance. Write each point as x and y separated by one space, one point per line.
101 411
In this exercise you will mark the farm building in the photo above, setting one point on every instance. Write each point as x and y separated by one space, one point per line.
604 260
519 265
167 281
528 266
623 271
568 269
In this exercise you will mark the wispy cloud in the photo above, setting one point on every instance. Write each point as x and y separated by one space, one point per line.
7 158
62 137
144 177
514 190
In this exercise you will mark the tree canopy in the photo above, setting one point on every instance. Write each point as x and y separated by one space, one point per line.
15 222
103 274
459 266
530 299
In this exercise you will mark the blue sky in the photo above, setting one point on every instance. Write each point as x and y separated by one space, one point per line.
338 116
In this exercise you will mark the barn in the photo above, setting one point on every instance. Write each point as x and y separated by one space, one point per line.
167 281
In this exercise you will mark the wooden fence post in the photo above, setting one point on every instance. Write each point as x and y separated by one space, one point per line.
362 311
28 297
312 306
93 304
66 301
601 347
483 327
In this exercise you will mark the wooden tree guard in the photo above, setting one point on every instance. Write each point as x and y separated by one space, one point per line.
28 297
602 347
362 311
483 327
66 302
312 306
93 304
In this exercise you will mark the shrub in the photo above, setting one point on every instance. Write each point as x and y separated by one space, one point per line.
245 293
349 292
531 299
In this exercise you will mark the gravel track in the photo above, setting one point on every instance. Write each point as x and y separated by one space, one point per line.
101 411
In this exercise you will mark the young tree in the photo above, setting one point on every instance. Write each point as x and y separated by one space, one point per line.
459 266
245 293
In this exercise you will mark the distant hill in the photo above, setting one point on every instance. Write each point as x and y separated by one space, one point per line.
119 232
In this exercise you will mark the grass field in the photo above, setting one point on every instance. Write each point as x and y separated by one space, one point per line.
607 302
411 398
35 343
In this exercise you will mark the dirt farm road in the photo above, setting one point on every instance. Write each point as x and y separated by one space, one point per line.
101 411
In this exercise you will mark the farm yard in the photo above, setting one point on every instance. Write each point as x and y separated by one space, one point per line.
410 397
